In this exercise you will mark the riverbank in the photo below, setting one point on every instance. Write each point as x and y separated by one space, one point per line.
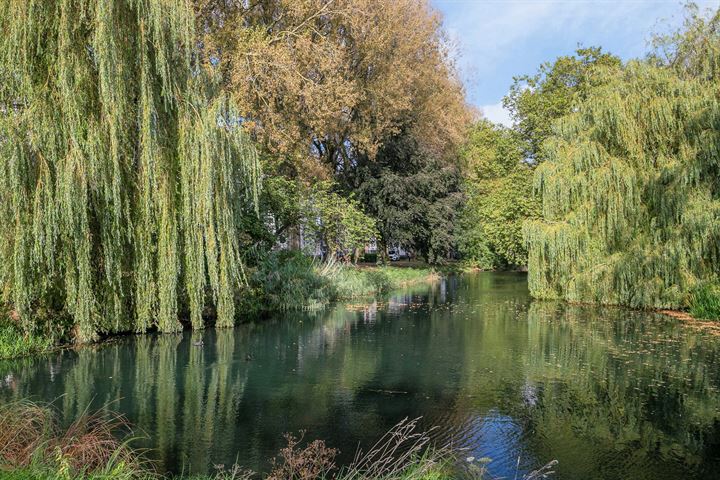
99 445
14 343
282 282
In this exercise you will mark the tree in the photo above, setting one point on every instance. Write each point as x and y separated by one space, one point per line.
339 222
629 188
692 50
535 101
500 198
331 80
500 162
124 173
413 195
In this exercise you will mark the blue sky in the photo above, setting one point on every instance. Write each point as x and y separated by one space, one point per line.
498 39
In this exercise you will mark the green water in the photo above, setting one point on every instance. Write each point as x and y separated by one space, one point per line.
609 393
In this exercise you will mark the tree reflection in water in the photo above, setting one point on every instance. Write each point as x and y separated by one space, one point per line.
610 393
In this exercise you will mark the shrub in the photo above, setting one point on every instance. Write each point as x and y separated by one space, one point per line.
289 280
315 460
705 302
370 257
31 438
14 343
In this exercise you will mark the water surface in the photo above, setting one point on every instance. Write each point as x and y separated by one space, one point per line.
609 393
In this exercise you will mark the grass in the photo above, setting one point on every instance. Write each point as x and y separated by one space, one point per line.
14 343
292 281
352 282
705 302
34 446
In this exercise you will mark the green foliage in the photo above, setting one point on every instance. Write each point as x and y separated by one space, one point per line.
370 257
693 50
629 183
283 206
414 196
500 161
338 221
289 280
499 198
630 197
14 343
124 175
535 101
351 283
705 301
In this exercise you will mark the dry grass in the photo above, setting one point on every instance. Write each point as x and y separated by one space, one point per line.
402 453
30 434
396 454
313 461
34 445
24 427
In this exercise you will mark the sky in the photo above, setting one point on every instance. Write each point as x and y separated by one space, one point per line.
499 39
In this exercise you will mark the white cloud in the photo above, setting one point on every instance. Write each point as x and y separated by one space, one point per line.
503 38
497 114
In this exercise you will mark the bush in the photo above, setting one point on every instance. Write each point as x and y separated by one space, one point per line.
290 280
705 302
14 343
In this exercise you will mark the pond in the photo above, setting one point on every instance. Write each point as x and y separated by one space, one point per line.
609 393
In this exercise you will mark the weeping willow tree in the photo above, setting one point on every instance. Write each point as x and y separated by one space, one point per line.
631 192
124 172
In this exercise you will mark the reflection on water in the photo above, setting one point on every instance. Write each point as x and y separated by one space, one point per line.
608 392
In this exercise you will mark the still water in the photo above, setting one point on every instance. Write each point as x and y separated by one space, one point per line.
609 393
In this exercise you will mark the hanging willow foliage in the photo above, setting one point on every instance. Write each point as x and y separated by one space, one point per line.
631 193
123 171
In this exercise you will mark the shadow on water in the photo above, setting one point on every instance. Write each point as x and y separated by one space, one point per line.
608 392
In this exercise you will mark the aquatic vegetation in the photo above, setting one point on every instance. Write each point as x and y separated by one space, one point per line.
288 280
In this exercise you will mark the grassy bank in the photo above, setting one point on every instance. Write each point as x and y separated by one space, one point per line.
34 446
288 281
705 302
281 281
14 343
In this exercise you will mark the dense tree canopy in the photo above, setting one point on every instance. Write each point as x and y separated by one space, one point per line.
332 88
535 101
629 187
333 79
124 174
131 133
414 195
500 161
500 198
130 187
